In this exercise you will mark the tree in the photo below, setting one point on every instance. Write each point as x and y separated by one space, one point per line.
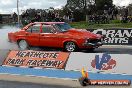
51 8
89 7
130 9
80 6
103 4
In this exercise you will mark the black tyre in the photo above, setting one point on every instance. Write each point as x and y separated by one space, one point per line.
70 46
23 45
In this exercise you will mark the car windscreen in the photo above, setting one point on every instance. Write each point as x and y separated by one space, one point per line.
64 26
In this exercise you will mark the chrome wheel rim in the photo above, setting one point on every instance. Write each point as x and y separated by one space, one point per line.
70 46
23 45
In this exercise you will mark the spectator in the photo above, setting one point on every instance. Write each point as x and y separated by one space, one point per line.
52 16
121 18
129 18
57 17
115 13
14 17
49 16
90 19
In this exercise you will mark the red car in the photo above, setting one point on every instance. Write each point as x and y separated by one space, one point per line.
55 34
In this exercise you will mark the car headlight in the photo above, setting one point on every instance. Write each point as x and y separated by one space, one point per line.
86 41
102 39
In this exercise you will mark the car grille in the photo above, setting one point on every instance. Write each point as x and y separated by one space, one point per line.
94 40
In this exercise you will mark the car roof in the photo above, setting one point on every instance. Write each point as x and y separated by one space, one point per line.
49 23
46 23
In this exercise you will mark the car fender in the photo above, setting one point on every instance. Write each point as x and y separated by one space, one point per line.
18 39
69 40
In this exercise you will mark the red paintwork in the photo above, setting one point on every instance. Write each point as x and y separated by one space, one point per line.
52 40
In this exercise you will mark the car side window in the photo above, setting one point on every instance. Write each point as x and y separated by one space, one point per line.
47 29
34 29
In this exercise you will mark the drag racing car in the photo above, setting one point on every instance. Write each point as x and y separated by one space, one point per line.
55 34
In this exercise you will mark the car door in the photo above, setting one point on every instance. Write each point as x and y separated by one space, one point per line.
48 37
32 34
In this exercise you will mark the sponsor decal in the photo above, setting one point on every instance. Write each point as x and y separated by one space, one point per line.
37 59
105 62
110 82
115 36
85 80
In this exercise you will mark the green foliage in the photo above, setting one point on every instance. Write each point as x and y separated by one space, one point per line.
81 24
78 16
88 7
103 4
85 25
115 21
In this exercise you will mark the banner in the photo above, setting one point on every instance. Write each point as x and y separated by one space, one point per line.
37 59
100 62
115 36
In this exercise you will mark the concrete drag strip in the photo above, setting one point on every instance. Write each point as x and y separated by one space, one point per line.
117 46
9 81
14 84
40 80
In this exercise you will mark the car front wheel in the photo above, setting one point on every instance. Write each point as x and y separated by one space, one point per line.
23 45
70 46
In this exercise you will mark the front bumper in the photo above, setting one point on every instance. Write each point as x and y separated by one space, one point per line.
94 45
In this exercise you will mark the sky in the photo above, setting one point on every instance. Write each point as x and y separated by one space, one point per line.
9 6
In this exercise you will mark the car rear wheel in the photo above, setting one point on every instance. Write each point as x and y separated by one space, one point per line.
23 45
70 46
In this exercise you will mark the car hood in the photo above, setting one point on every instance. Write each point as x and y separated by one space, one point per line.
82 33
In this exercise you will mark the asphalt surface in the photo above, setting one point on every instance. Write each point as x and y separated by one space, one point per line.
103 49
13 84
